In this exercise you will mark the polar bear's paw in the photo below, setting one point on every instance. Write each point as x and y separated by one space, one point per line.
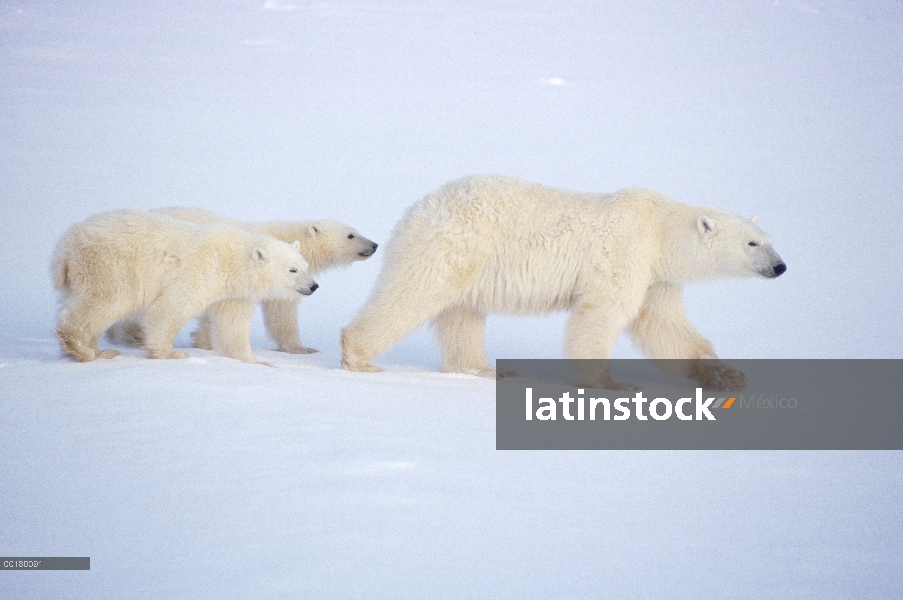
156 353
361 368
296 349
721 377
200 338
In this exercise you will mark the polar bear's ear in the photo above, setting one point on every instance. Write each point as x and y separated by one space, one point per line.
259 255
754 220
705 225
296 245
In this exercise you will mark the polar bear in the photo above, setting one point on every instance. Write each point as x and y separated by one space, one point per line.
226 326
133 263
489 244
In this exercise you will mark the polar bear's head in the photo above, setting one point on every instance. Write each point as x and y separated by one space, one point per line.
283 268
735 247
324 244
337 244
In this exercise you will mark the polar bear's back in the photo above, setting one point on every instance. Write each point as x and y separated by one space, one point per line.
515 246
128 250
199 216
135 232
499 207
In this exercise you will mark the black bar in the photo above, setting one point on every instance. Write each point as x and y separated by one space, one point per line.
45 563
785 405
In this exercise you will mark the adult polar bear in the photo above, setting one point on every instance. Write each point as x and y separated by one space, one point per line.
496 244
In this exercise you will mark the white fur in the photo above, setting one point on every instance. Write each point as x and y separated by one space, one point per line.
494 244
226 327
163 272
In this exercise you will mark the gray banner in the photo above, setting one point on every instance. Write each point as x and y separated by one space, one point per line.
785 405
45 563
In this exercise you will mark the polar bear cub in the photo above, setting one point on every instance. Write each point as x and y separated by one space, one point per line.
618 261
165 271
226 326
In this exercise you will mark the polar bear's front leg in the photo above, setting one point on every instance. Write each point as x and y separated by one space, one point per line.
230 329
662 331
281 319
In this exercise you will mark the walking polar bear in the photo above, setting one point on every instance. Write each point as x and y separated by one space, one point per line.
489 244
226 326
131 263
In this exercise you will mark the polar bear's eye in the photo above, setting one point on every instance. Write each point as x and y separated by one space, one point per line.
754 244
293 270
350 236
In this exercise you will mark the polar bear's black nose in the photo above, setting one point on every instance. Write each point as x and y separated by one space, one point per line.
369 251
779 269
315 285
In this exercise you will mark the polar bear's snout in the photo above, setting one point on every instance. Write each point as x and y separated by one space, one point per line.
310 289
770 264
775 270
369 251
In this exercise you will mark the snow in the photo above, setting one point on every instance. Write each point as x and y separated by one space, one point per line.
209 478
225 480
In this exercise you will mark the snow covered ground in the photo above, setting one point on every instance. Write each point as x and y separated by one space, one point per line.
208 478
